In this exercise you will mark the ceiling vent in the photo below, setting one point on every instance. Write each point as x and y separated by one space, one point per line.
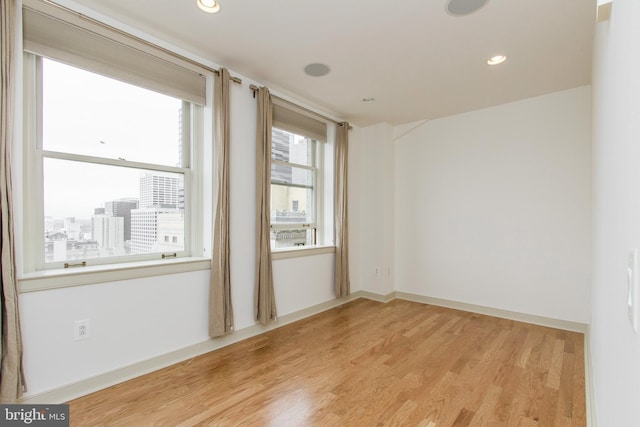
464 7
317 70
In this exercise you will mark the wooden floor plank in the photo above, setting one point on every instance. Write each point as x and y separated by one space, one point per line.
364 363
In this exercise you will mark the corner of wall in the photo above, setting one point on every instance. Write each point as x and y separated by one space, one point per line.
592 419
372 179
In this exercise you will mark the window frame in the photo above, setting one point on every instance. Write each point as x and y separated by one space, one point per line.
33 160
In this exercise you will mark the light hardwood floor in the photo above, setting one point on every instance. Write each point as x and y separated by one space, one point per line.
364 364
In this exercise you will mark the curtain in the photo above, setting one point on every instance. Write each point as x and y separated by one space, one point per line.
220 307
11 374
264 297
342 285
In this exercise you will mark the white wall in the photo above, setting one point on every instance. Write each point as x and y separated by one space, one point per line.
140 319
132 321
615 348
356 212
493 207
373 240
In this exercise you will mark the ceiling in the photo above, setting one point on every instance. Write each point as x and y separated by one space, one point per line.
415 59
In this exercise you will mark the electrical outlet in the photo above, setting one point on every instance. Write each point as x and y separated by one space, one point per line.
82 330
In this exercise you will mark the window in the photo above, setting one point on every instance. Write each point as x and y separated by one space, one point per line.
109 140
293 195
113 170
297 174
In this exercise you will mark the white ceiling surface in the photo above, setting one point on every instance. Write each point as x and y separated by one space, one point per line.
416 60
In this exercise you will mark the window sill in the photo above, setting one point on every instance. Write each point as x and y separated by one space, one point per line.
54 279
277 254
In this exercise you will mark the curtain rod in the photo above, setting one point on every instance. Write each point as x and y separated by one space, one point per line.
139 40
255 88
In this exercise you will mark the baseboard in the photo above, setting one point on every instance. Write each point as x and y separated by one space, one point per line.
504 314
589 385
108 379
375 297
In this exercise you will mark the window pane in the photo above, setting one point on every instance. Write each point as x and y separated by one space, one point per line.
292 238
291 175
291 148
85 113
291 205
99 211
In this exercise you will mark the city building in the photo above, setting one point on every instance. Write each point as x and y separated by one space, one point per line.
158 224
122 208
77 228
159 191
156 229
108 233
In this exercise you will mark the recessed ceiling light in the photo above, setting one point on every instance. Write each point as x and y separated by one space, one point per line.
368 100
209 6
495 60
317 70
464 7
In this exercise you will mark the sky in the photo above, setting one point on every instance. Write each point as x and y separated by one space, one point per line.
87 114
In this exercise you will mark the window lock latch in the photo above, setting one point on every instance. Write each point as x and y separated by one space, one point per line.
77 264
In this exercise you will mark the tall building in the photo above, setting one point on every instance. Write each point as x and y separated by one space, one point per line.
280 142
157 225
159 191
108 232
157 230
122 208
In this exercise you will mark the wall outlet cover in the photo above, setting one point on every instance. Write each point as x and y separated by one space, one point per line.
82 330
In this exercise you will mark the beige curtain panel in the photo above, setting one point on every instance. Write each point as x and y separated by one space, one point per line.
264 297
220 307
342 284
11 375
